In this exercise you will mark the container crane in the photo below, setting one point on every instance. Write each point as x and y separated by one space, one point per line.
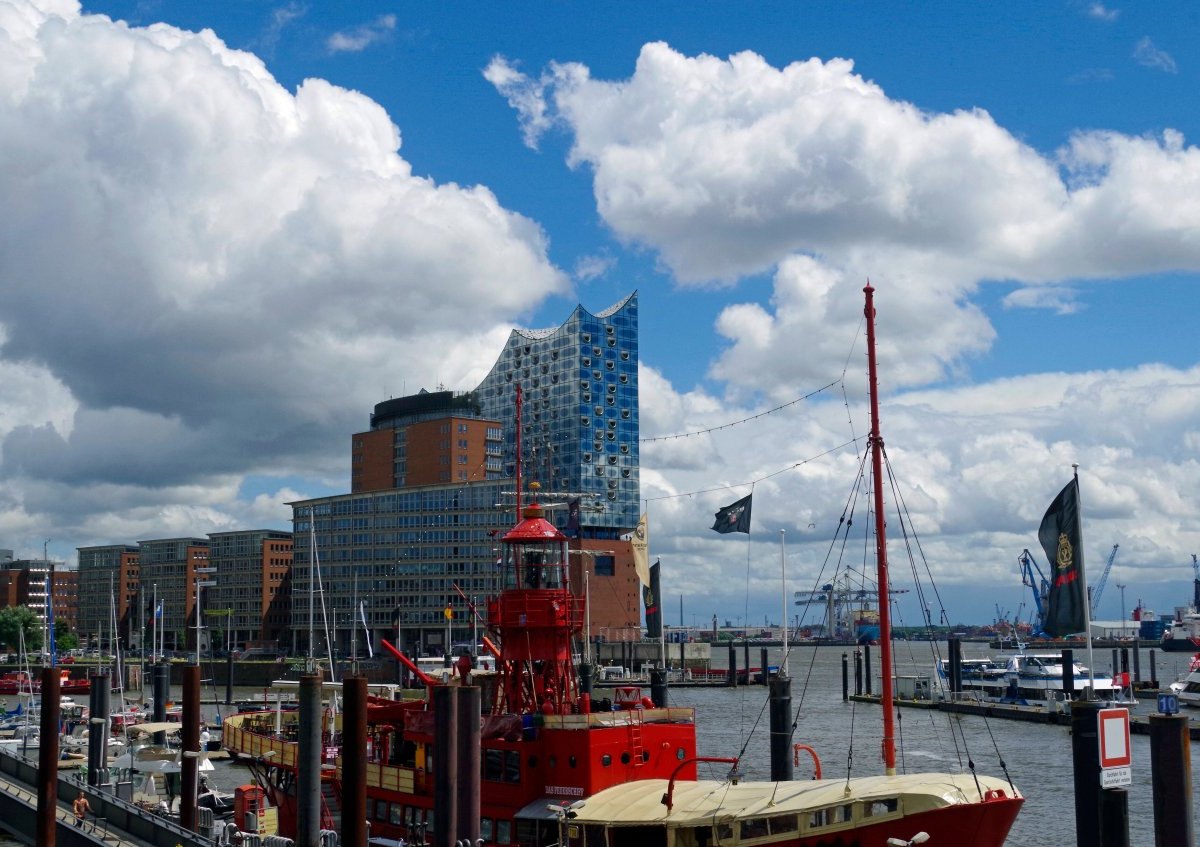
1039 586
1094 593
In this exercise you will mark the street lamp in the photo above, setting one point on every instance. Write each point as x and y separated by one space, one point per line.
201 583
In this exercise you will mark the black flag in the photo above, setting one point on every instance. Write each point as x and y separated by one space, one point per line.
734 517
653 604
1062 540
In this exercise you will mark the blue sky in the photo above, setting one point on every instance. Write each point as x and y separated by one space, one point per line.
214 268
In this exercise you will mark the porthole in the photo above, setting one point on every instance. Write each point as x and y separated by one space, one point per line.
552 761
626 758
645 755
606 760
680 754
571 761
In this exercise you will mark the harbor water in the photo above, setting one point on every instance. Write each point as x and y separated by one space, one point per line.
846 735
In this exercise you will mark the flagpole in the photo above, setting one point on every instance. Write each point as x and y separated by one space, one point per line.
1087 601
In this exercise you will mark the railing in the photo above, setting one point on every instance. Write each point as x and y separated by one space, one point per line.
255 745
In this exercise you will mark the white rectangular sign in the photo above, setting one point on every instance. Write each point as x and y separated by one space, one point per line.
1116 777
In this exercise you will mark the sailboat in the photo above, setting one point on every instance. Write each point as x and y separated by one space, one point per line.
870 811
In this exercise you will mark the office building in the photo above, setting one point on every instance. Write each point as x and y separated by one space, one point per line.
108 591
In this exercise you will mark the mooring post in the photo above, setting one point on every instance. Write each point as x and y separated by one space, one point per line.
1085 760
445 763
845 677
858 673
762 652
732 664
98 698
1171 780
162 693
954 646
781 728
1068 674
190 759
229 678
1137 665
658 687
469 708
47 788
1153 671
354 761
308 763
867 669
746 651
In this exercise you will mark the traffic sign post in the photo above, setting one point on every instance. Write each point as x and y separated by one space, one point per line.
1116 758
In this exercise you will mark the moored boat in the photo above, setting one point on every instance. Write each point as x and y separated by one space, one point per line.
1188 687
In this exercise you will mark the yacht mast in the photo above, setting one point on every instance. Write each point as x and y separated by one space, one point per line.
887 695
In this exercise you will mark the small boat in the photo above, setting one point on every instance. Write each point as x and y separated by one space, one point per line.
1188 687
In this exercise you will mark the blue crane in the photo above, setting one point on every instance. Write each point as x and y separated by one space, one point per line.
1039 585
1094 593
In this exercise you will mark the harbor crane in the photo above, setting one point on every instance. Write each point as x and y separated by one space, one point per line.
851 611
1094 593
1039 585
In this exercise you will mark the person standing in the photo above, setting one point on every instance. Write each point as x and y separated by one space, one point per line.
80 807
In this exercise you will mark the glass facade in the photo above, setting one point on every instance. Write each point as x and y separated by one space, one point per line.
580 412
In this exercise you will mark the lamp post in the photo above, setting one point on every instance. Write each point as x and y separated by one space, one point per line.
201 583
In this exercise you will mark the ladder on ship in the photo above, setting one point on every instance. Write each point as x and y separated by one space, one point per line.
331 809
635 738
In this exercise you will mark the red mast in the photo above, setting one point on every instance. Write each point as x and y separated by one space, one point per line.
885 614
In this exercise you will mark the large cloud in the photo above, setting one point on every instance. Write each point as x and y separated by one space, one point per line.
211 275
729 167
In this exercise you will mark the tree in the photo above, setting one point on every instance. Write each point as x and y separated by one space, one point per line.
14 619
64 639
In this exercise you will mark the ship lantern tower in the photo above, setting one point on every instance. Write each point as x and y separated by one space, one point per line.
536 618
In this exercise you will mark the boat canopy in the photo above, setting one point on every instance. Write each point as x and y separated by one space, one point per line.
708 801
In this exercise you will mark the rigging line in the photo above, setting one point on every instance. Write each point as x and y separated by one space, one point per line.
754 482
843 531
742 421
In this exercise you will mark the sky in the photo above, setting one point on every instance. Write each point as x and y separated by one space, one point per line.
229 229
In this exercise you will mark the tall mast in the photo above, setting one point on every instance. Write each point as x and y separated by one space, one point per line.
885 614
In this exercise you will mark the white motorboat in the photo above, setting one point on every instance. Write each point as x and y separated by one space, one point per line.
1038 678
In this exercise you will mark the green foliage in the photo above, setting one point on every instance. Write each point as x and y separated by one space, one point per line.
14 619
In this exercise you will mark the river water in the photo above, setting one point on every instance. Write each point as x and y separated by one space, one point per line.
734 722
